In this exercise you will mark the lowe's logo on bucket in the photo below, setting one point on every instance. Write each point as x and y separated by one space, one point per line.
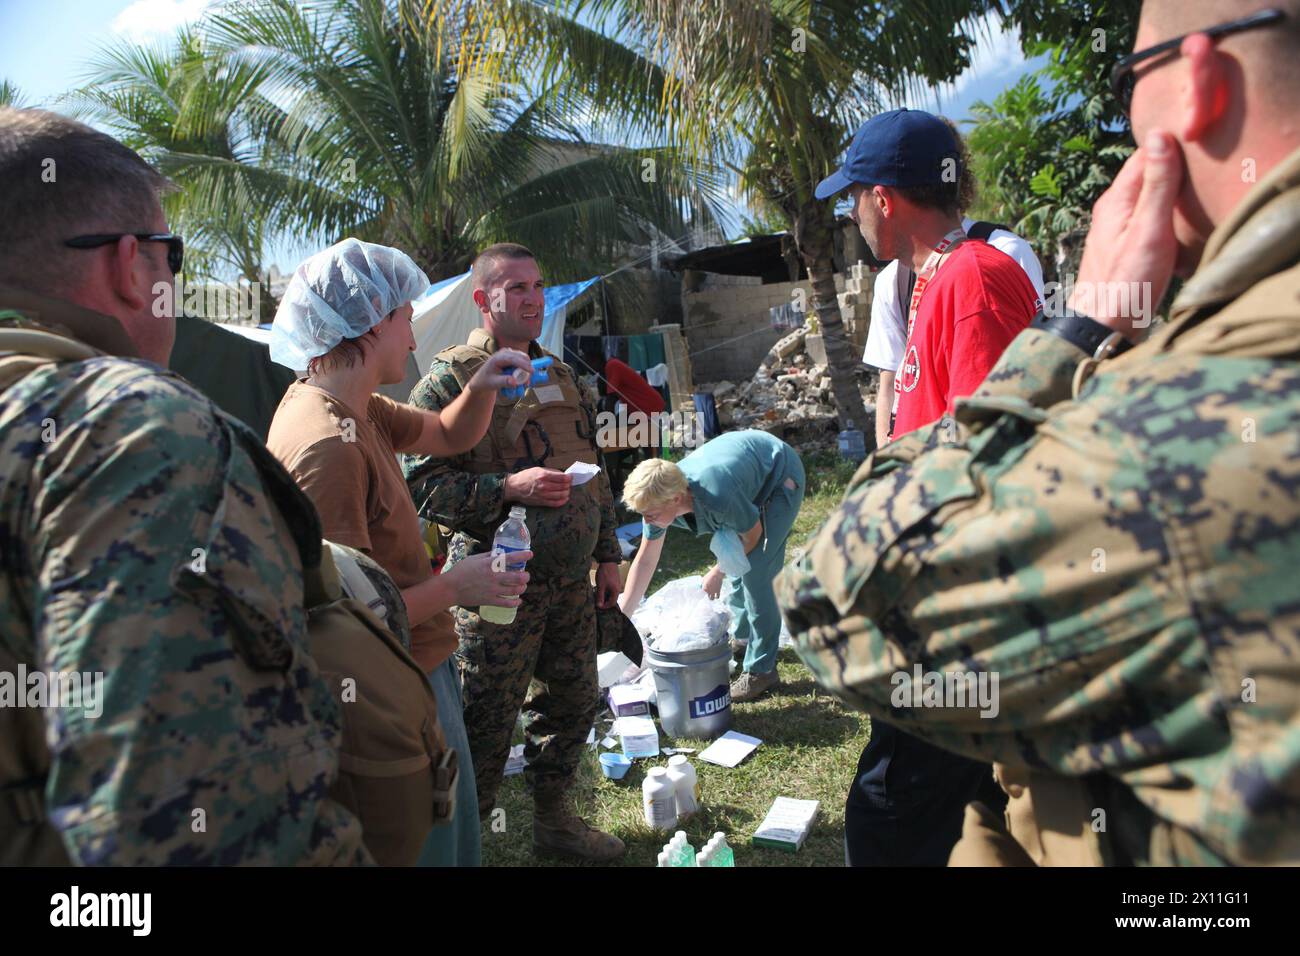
714 702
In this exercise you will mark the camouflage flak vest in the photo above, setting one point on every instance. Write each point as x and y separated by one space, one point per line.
548 427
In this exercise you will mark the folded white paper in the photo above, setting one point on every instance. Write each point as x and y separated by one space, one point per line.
582 472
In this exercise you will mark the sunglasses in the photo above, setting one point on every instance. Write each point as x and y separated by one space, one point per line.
175 244
1122 79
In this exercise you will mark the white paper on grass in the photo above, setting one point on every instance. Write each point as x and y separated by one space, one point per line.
730 749
515 763
581 472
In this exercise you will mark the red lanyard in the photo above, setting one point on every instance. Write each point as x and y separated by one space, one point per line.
928 270
932 263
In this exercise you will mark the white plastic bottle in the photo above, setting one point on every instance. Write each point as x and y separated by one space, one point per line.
659 800
686 785
511 536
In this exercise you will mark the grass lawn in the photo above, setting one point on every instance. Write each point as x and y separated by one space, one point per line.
810 745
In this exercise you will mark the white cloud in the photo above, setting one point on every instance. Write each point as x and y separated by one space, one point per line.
147 20
997 54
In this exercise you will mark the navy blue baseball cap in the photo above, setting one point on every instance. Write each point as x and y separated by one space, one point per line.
898 148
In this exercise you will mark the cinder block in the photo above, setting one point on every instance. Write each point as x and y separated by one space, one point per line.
816 348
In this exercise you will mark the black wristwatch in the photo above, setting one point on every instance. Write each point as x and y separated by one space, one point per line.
1097 340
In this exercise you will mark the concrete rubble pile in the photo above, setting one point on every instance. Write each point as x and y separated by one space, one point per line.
789 395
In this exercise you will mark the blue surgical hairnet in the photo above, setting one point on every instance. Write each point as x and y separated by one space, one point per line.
338 294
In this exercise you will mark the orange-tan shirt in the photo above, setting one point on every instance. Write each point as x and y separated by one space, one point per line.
347 465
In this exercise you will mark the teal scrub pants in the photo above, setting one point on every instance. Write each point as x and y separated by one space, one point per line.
753 602
458 843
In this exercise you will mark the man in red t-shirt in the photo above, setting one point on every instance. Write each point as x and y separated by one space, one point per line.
978 301
903 174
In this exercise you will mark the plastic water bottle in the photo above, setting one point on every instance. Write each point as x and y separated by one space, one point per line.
686 784
658 800
852 445
511 536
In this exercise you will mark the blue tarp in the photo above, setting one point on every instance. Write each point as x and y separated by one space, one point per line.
558 296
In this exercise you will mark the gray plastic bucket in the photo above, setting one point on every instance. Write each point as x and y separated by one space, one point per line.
693 689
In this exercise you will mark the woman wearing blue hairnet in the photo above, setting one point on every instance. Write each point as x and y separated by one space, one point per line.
346 320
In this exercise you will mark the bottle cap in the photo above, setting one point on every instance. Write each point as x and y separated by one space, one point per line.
676 760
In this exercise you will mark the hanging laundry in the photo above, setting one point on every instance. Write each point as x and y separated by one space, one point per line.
636 352
654 349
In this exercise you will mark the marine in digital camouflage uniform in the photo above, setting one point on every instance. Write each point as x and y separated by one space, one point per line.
553 636
142 538
1123 560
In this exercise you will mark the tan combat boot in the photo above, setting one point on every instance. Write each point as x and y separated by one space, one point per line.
557 830
749 686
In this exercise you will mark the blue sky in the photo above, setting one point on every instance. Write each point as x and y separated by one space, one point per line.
45 46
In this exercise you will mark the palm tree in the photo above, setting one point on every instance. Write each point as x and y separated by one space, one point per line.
775 88
10 95
187 115
378 134
771 89
347 117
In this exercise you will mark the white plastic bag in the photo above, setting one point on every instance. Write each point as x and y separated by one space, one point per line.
680 617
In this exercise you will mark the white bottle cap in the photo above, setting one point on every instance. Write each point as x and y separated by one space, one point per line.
676 760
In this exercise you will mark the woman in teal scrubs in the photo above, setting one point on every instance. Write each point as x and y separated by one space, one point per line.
745 489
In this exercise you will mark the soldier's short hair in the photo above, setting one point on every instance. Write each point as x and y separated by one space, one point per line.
485 263
63 179
654 482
